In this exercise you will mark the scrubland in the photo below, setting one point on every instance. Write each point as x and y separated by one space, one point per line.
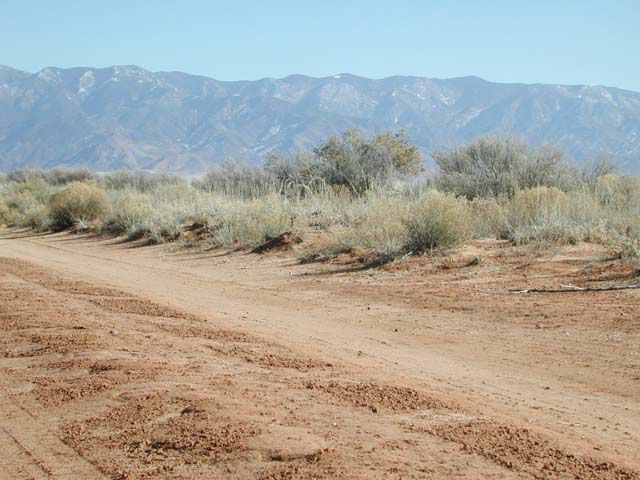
365 195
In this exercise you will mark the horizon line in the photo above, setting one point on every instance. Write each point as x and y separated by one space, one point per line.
334 76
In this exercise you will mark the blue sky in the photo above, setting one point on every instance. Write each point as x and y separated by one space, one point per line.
572 42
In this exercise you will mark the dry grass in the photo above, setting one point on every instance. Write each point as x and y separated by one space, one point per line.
383 222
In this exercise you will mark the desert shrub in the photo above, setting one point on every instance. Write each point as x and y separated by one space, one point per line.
251 223
22 203
130 214
64 175
239 180
361 192
618 191
173 206
619 200
627 248
592 171
37 218
301 169
6 215
19 203
140 181
352 162
164 226
487 217
375 224
491 167
546 214
78 202
37 188
438 221
325 209
162 214
23 175
359 164
56 176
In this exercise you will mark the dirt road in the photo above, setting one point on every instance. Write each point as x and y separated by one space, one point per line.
153 362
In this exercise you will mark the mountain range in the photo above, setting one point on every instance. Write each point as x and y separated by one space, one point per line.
126 117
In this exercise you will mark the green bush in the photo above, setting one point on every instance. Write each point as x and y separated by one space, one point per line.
78 202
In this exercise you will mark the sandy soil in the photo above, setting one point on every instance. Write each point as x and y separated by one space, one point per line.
124 362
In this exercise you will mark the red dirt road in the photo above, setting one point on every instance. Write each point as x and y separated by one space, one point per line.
121 362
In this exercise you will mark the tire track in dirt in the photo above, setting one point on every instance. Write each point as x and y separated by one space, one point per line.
29 449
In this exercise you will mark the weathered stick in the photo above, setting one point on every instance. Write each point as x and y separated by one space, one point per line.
572 289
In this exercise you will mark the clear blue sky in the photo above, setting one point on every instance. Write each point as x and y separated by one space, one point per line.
571 41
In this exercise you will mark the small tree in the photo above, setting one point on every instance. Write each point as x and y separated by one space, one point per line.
359 164
349 161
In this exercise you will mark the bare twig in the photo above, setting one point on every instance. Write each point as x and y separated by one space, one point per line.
573 288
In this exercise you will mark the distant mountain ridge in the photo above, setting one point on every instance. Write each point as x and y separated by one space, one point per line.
128 117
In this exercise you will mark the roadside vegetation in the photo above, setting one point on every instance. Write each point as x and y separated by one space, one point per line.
351 194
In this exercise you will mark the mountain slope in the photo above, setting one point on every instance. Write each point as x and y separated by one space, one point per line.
127 117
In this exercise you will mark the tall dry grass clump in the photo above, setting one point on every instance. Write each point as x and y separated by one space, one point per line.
251 223
239 180
372 223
